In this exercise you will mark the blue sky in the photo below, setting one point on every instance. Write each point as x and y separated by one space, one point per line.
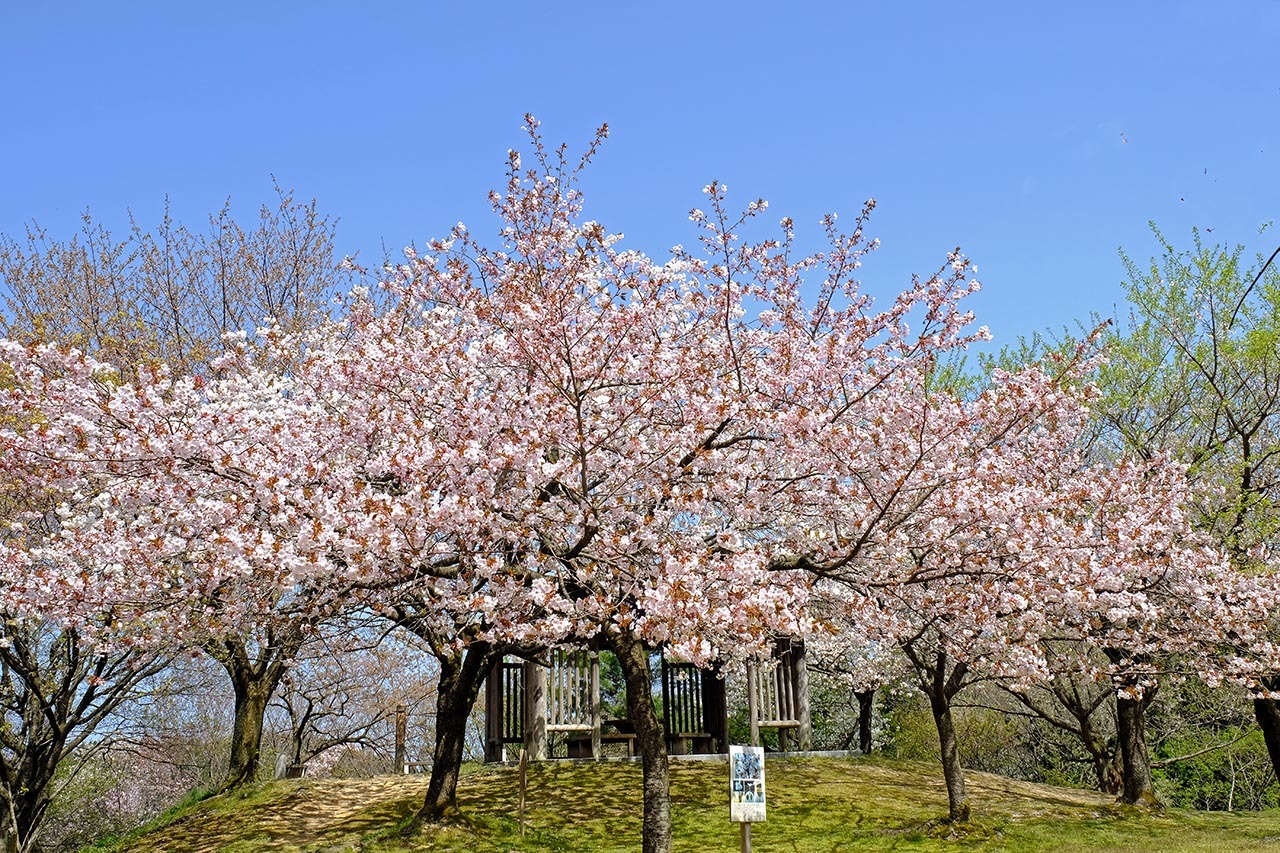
1038 138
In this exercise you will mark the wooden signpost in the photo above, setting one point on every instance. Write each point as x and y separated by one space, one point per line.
746 789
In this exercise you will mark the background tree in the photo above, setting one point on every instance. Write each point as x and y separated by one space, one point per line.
168 296
342 693
1195 371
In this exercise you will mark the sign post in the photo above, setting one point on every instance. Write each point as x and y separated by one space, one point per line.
746 789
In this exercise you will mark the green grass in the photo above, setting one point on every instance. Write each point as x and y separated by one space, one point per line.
815 805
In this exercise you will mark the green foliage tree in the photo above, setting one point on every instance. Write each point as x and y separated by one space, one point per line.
1195 371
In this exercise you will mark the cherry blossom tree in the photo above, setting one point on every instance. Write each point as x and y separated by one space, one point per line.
623 451
167 296
186 498
1022 541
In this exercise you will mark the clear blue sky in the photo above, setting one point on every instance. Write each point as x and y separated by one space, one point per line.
1037 137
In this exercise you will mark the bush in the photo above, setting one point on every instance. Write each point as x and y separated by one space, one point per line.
1238 775
989 740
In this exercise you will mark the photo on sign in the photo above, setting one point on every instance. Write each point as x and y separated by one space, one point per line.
746 784
747 765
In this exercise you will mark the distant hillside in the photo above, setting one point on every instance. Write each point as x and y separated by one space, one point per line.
815 804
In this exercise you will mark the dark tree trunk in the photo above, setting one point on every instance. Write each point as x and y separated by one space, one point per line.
253 679
650 740
1132 700
251 698
1105 767
1267 713
461 675
941 681
27 812
1131 730
1083 703
957 793
866 704
24 813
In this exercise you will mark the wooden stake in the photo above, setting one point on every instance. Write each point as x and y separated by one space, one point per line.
402 719
524 784
746 836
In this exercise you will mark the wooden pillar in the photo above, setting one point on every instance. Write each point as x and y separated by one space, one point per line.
800 682
493 723
715 709
753 702
782 691
667 711
535 710
594 699
402 722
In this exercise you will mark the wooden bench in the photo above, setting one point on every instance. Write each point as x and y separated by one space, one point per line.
690 743
580 747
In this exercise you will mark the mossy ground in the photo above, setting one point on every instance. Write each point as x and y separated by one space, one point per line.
815 804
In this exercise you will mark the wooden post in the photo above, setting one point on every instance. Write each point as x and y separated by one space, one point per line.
746 836
668 712
493 712
594 698
402 721
524 784
800 680
715 708
535 710
753 703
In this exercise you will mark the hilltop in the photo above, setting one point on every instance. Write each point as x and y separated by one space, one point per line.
815 804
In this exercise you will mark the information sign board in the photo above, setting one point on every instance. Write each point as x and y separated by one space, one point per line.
746 783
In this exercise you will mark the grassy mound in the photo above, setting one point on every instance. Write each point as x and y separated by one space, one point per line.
815 804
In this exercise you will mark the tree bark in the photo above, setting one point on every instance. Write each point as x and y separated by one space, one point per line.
253 679
958 809
1131 729
650 740
460 678
251 698
1105 767
866 700
941 681
1267 713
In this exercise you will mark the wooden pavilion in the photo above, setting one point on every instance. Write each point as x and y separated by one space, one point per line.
529 703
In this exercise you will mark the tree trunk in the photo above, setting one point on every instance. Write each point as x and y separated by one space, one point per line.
251 698
253 680
1267 713
10 834
941 686
25 809
650 740
866 700
1105 767
460 678
1131 728
957 794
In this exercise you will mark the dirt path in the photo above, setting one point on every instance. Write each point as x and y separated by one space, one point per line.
310 816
